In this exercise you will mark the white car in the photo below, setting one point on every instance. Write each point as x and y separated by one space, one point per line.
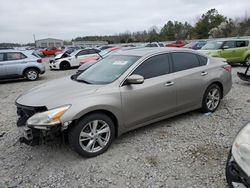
67 61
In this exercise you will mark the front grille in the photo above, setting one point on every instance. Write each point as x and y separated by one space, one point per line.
25 112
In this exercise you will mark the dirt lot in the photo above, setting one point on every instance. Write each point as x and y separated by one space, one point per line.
186 151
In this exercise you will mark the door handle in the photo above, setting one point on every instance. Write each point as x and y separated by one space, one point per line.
170 83
203 73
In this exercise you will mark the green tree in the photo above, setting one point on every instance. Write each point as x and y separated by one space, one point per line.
168 31
208 21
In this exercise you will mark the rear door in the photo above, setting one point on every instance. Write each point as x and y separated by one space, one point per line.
228 51
153 99
15 63
190 78
241 48
3 69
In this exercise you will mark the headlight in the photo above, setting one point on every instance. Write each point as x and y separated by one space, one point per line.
241 148
51 117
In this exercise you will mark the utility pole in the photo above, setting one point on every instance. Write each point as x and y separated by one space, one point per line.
34 39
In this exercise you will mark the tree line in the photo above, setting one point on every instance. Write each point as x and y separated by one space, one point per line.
212 24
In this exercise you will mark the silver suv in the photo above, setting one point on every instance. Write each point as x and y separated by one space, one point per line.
16 63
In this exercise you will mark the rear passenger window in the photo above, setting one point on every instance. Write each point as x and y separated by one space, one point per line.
15 56
229 44
203 60
184 61
1 56
92 51
240 44
83 52
155 66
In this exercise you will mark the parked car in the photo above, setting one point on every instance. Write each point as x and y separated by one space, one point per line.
233 50
238 162
73 60
122 92
177 44
154 44
50 51
16 63
195 45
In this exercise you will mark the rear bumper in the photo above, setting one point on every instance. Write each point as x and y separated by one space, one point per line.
236 177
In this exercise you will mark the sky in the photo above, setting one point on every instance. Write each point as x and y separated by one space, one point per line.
67 19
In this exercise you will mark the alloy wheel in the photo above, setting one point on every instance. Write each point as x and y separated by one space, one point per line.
94 136
31 75
213 99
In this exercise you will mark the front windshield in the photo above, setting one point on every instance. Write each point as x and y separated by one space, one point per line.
108 69
215 45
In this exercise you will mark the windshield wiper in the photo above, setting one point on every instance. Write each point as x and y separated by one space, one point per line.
84 81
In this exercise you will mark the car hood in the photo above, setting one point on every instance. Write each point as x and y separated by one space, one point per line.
56 93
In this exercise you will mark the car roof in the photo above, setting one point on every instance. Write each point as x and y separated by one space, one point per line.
223 40
11 50
151 51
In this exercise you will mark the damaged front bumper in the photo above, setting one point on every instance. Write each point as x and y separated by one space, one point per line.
34 135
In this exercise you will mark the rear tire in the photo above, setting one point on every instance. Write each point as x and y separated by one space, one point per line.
92 135
64 65
246 61
31 74
211 99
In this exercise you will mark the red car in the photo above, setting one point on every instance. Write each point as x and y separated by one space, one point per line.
177 44
50 51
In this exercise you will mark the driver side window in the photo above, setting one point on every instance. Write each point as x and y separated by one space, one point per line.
83 52
155 66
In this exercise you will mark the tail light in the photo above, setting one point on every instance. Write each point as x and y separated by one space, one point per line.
39 61
228 68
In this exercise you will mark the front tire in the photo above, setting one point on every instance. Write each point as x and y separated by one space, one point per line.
211 99
31 74
64 65
92 135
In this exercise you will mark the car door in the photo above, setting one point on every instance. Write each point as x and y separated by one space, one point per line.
153 99
241 48
15 63
3 69
228 51
190 77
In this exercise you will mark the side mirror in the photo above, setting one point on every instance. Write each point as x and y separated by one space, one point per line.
225 47
134 79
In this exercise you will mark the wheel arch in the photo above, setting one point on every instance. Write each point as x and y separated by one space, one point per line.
106 112
219 84
33 67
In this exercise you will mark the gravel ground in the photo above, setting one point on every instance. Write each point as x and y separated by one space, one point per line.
189 150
